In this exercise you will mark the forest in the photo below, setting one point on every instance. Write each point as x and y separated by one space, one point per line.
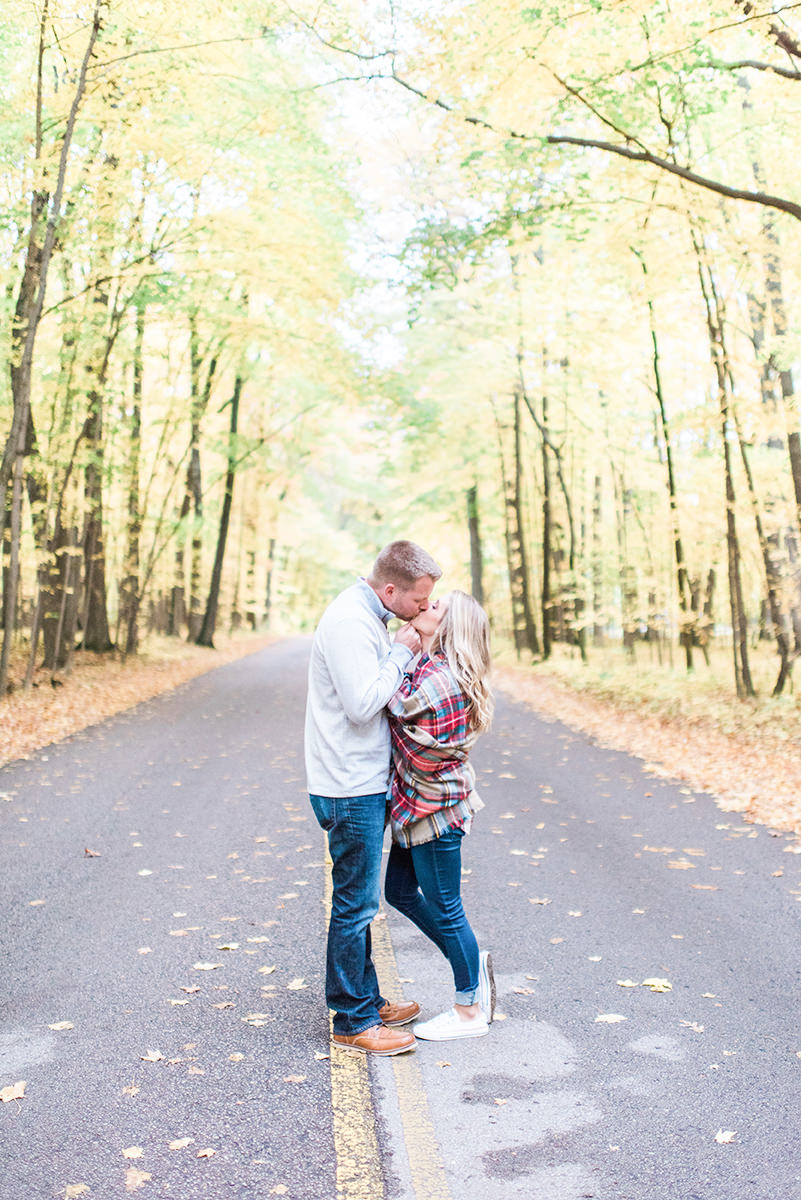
283 281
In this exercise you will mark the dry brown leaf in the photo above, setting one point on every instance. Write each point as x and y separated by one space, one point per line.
131 1090
135 1179
294 1079
91 853
500 1102
296 985
180 1143
725 1136
14 1091
133 1152
627 983
443 1062
152 1056
236 1058
205 966
73 1190
609 1018
196 1071
59 1025
265 970
190 990
207 1153
280 1189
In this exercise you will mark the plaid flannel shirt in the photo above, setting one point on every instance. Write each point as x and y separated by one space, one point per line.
433 784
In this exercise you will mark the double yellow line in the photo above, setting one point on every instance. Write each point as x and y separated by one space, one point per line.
358 1159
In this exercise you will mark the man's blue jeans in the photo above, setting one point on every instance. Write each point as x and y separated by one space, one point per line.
355 828
424 883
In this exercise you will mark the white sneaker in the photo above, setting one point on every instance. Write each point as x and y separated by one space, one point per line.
486 986
448 1026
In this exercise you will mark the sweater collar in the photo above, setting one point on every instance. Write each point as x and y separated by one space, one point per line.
374 603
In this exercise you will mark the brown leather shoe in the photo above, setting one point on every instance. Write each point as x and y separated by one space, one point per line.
399 1014
376 1040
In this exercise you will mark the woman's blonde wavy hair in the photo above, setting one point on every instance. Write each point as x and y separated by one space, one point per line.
463 637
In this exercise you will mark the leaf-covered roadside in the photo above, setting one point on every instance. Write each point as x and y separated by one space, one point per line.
754 771
99 687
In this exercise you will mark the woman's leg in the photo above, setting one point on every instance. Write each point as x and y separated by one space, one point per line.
402 891
437 868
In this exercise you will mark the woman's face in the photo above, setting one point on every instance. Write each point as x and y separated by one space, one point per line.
427 623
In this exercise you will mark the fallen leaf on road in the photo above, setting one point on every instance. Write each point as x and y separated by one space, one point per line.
190 990
537 900
557 941
205 966
91 853
196 1071
265 970
696 1028
680 865
443 1062
207 1153
294 1079
724 1136
236 1058
224 1004
229 946
144 950
131 1090
74 1190
152 1056
280 1189
658 985
180 1143
172 1001
135 1179
500 1102
14 1091
258 939
320 1057
627 983
133 1152
705 887
59 1025
296 985
609 1018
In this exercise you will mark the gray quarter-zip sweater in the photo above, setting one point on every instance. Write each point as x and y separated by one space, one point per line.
354 670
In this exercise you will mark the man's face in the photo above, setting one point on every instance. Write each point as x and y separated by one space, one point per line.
407 603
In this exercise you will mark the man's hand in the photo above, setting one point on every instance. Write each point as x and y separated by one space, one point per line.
407 635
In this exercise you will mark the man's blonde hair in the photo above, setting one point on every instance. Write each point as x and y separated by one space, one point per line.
403 563
464 638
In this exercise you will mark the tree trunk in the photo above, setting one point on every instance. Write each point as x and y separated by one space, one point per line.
27 316
715 325
524 631
476 557
206 635
130 597
687 630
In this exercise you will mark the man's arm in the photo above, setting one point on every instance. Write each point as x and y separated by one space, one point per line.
364 682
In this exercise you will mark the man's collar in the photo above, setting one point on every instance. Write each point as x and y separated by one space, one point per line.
384 614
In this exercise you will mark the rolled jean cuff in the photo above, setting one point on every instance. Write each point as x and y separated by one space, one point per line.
468 997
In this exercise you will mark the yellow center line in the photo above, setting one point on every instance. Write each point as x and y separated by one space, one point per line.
426 1168
358 1161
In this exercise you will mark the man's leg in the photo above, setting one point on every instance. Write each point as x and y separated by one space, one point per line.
355 826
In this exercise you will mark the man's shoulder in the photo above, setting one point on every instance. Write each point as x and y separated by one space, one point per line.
350 605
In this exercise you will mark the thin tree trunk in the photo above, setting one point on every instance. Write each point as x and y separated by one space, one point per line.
715 319
687 630
206 635
476 557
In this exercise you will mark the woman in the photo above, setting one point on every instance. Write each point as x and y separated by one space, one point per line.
435 717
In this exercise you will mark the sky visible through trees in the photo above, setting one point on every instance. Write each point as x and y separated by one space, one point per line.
282 282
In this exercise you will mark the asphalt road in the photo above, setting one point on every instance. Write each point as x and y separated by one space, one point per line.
162 997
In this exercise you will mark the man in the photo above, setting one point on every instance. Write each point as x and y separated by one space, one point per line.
355 668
